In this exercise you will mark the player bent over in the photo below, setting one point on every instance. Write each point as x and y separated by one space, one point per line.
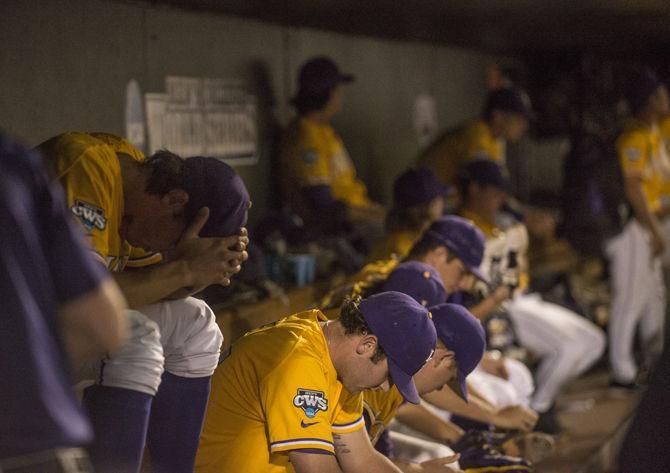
291 391
130 207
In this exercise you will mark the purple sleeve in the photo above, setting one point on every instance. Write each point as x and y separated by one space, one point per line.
73 268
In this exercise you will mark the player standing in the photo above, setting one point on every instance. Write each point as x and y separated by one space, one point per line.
638 288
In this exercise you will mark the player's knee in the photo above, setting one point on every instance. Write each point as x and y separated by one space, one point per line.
139 365
193 348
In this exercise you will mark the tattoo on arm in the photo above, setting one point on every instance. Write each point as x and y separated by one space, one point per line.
340 445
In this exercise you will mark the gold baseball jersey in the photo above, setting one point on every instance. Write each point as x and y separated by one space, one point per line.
88 168
642 154
393 245
277 391
380 408
312 155
664 129
455 148
364 283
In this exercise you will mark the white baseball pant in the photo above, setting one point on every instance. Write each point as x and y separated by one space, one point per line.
638 300
179 336
514 391
567 344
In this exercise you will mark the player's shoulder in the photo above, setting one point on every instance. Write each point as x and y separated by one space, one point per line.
299 333
633 135
71 149
118 144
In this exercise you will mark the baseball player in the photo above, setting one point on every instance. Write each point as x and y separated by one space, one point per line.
638 288
567 343
505 118
131 208
319 181
454 248
418 200
423 283
46 322
290 391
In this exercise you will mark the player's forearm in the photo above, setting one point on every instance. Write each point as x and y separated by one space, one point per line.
475 408
407 466
355 453
152 284
484 308
380 464
423 420
86 336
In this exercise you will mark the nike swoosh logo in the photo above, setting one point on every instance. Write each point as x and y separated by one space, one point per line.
304 424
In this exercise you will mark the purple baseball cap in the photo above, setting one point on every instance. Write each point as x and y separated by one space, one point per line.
462 333
418 280
415 187
462 238
485 172
405 332
211 183
320 74
509 99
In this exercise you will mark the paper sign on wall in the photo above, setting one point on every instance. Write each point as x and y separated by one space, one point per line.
203 117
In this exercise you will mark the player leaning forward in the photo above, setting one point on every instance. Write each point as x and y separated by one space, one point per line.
155 390
292 391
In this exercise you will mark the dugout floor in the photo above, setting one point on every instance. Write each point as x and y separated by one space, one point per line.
595 418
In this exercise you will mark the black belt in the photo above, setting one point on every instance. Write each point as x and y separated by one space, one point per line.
61 460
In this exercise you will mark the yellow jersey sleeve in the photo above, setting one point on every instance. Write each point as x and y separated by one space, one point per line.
480 144
297 404
381 408
349 413
89 187
120 145
140 258
633 156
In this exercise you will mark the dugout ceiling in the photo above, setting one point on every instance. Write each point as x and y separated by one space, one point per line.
498 26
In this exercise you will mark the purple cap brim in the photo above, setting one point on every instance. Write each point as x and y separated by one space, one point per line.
478 274
403 382
459 386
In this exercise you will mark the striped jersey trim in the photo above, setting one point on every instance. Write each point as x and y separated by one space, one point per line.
301 443
152 258
360 422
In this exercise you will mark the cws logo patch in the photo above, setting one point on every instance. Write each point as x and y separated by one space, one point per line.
633 154
310 401
90 215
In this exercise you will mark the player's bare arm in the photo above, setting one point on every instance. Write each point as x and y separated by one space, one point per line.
355 453
194 263
491 302
88 337
423 420
436 465
313 462
514 417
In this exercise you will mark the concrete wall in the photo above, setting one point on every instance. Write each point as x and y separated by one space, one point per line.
64 65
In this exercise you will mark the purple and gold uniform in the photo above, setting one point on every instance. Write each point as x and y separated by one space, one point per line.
380 408
277 391
88 168
394 245
642 155
314 155
449 153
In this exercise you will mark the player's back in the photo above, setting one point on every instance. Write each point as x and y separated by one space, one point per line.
455 147
235 433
